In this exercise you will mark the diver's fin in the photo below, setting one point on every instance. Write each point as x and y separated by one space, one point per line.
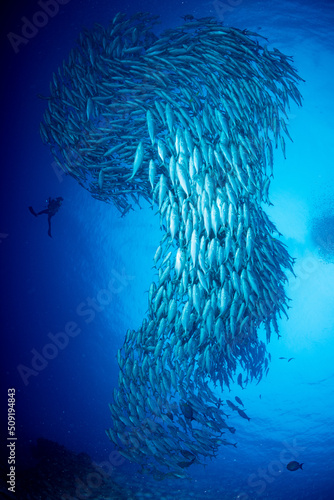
32 211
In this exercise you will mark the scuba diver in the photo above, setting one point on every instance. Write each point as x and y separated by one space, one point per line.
53 207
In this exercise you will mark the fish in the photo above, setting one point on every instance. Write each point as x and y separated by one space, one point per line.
184 464
187 411
243 414
238 400
226 443
293 466
139 156
150 125
152 173
240 380
186 120
89 108
231 405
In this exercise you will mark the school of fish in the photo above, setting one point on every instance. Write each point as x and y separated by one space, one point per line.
189 121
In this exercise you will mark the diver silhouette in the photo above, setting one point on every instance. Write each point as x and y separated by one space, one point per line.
51 210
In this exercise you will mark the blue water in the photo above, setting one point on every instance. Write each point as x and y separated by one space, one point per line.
49 285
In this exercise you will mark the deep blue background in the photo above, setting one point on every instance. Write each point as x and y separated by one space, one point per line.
44 281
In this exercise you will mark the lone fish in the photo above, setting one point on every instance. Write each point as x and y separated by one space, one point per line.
294 466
